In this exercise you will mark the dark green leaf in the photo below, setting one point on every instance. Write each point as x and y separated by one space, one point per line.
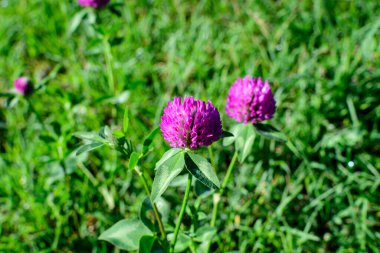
115 11
147 214
89 147
201 169
146 244
115 41
226 134
150 244
47 138
148 142
126 234
6 95
270 132
201 189
166 170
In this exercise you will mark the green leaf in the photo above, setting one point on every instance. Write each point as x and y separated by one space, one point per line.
106 133
183 242
294 149
76 21
47 138
134 159
119 99
89 147
228 140
88 136
148 142
126 234
150 244
118 134
11 101
204 234
6 95
166 170
164 209
168 154
201 169
146 244
125 121
201 189
270 132
115 11
245 135
226 134
147 214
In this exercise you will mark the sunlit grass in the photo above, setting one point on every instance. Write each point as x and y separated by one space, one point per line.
317 193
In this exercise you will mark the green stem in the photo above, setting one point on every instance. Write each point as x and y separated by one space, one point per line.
155 210
216 200
228 174
211 154
218 196
182 212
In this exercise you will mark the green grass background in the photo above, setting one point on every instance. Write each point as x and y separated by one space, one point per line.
322 59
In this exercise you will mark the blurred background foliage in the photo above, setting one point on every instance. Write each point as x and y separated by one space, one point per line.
319 193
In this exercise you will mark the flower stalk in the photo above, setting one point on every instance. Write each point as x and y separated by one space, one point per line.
155 210
182 212
218 196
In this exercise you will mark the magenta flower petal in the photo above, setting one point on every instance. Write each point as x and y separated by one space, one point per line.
191 123
93 3
23 85
250 100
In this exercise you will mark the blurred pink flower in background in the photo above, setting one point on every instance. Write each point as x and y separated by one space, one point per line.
93 3
23 85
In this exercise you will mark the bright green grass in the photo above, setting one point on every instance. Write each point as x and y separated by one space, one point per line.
321 57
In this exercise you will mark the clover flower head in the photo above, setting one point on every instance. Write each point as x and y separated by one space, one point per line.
250 100
190 123
23 85
93 3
